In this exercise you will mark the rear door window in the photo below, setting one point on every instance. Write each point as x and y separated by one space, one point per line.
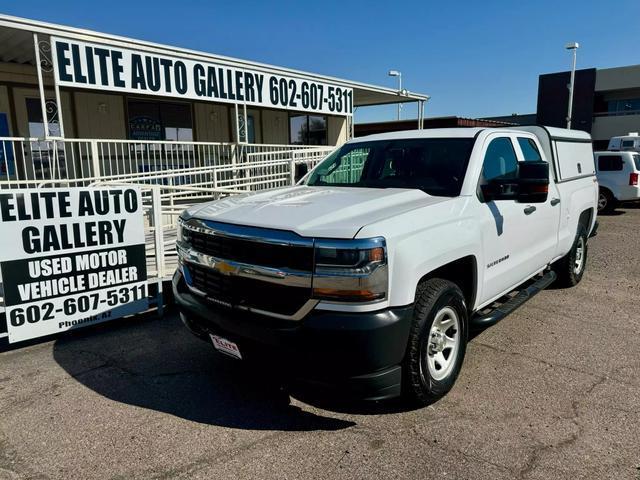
529 149
610 163
636 160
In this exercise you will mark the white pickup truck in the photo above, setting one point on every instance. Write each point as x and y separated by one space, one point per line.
369 274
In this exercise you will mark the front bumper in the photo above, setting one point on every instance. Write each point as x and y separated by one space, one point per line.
357 355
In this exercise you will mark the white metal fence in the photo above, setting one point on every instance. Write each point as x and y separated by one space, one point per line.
172 175
31 162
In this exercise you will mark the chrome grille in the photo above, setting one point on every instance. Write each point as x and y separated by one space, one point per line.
251 252
233 291
248 267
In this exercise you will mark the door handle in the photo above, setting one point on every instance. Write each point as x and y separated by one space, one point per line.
555 201
529 210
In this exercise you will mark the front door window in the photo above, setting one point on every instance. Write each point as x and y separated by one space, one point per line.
500 160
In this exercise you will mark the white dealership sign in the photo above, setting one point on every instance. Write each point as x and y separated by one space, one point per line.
70 257
104 67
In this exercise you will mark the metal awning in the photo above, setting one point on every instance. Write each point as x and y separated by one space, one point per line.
16 46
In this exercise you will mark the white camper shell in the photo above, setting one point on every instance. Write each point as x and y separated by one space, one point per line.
625 143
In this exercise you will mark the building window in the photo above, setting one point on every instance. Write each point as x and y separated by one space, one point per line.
160 121
622 107
251 129
308 130
248 129
36 121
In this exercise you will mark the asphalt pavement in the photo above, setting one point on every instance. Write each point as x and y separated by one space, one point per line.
553 391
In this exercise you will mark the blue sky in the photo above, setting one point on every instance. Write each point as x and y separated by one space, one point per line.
474 58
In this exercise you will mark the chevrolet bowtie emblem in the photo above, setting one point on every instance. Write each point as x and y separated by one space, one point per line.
224 267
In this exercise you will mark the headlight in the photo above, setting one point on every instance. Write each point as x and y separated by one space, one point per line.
180 235
182 232
350 270
182 238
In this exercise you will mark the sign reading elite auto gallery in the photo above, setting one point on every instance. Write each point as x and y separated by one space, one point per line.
96 66
70 257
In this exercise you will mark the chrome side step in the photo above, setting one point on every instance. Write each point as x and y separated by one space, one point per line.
478 322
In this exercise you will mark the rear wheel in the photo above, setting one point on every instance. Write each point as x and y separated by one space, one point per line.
437 341
606 201
570 268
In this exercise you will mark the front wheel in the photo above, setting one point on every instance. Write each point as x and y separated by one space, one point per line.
437 341
570 268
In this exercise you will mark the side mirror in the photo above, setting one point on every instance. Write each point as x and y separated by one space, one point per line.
533 178
301 170
500 189
529 185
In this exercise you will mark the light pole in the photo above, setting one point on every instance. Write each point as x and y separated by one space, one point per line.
396 73
572 46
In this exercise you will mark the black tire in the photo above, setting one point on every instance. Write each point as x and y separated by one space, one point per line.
569 275
606 201
433 297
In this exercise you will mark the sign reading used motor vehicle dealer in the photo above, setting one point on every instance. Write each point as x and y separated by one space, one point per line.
70 257
105 67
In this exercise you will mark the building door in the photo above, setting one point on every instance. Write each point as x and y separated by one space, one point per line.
153 123
43 159
159 121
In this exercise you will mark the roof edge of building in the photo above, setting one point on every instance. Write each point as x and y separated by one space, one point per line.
48 28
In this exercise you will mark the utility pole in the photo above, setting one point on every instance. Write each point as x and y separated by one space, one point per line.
572 46
396 73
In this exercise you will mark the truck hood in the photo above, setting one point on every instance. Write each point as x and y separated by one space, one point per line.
331 212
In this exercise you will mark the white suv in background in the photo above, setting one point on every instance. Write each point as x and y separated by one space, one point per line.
618 175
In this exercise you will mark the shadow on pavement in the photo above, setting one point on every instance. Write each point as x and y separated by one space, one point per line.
156 364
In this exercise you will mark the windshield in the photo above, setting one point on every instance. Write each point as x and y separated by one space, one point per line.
434 165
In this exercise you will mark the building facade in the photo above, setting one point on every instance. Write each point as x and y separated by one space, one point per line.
362 129
99 86
606 101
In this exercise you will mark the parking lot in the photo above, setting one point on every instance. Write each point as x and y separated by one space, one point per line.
553 391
